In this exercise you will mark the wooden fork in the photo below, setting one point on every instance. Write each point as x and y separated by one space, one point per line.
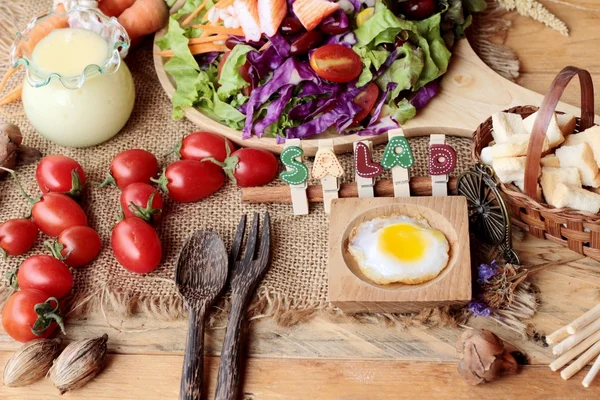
245 275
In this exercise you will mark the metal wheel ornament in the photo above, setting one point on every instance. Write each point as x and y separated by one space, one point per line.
488 216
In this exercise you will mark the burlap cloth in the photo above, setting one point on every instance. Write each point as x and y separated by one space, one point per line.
296 283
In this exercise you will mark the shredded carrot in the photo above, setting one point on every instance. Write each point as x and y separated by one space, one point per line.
12 96
6 77
197 49
194 14
221 29
208 39
265 46
224 3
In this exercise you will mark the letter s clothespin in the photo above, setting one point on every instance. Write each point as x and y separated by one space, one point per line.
399 158
296 175
328 169
442 161
365 169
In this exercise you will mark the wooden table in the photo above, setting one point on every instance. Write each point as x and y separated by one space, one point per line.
343 360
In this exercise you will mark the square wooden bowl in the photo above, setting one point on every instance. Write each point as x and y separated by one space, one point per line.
352 292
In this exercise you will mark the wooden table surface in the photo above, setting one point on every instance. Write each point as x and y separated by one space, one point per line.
343 360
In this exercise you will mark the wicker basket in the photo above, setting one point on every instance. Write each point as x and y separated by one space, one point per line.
579 231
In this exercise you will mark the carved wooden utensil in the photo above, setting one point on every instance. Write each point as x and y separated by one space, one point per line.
200 277
245 276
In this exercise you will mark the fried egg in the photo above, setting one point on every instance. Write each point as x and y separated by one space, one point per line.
399 248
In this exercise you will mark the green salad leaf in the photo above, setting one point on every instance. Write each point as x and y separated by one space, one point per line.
190 6
405 71
231 80
401 111
370 58
437 55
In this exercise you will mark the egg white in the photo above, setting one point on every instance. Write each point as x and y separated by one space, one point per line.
384 268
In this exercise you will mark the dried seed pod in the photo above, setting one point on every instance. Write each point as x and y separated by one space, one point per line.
483 357
31 362
79 363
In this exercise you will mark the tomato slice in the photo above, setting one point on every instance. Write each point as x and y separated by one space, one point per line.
336 63
366 101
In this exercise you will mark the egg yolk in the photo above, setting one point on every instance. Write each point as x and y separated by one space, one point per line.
403 241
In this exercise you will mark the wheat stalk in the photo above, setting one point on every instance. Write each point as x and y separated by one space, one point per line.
536 11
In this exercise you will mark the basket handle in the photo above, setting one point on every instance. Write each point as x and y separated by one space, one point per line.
538 134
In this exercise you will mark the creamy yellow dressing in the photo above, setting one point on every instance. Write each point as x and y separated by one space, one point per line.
68 51
80 117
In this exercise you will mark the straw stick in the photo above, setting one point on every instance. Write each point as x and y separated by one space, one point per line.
584 320
574 352
592 374
572 340
581 362
557 336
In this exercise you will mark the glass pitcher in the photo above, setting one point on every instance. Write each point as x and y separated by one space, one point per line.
75 109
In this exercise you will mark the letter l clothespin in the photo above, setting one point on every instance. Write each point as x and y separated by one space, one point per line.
365 169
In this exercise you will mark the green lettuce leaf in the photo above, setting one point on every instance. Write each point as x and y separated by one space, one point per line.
474 6
231 80
401 111
370 58
194 87
190 6
405 71
382 27
437 55
227 113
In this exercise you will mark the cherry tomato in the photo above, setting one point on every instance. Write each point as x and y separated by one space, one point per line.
366 100
55 212
17 236
189 180
200 145
77 246
290 26
336 63
417 10
20 319
253 167
58 173
136 245
134 202
47 274
131 166
306 42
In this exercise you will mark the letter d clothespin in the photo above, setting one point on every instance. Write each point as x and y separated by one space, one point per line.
328 169
442 161
296 175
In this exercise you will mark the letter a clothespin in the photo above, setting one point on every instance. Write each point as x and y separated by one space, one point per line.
399 158
328 169
442 161
296 175
365 169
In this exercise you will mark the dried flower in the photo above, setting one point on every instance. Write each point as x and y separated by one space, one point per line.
487 271
479 309
31 362
79 363
536 11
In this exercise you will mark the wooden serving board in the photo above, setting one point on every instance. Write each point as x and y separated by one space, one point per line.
470 93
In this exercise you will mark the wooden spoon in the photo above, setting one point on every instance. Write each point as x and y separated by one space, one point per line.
200 277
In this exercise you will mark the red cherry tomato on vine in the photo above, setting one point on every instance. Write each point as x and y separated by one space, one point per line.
76 246
136 245
17 236
20 319
251 167
188 180
131 166
47 274
55 212
134 202
200 145
61 174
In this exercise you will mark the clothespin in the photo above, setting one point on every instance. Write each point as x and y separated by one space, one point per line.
365 169
399 158
328 169
442 161
296 175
